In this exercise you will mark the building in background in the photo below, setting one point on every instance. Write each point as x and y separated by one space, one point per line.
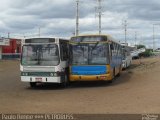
3 42
11 48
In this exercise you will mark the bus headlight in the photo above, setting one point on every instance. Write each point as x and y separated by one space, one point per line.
55 74
24 74
51 74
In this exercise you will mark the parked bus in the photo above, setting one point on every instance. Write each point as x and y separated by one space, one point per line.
44 60
94 58
127 58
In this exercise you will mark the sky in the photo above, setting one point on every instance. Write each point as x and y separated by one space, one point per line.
57 18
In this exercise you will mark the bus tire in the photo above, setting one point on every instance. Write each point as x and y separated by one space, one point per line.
113 76
119 71
130 63
65 82
114 73
110 81
33 84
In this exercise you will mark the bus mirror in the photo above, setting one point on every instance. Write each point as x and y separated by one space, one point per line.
111 46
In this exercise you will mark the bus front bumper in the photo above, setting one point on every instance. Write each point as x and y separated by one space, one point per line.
41 79
105 77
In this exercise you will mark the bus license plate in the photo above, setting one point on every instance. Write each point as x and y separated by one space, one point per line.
103 77
38 79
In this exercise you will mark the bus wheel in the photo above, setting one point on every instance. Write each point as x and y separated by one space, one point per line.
114 74
113 77
110 81
65 82
119 72
33 84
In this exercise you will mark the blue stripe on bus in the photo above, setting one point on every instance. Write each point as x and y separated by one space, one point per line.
89 70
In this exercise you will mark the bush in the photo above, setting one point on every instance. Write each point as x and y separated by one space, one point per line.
147 53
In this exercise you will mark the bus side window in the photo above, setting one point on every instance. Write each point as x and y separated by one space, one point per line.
64 51
111 47
114 50
111 50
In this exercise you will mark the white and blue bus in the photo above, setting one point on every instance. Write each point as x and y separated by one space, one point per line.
94 58
44 60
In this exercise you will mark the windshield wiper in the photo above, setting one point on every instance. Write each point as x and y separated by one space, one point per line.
95 46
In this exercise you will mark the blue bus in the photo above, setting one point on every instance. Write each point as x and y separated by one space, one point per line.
94 58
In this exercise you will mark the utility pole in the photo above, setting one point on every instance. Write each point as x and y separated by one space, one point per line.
8 34
24 35
77 18
142 41
153 37
125 30
135 38
154 45
39 32
100 15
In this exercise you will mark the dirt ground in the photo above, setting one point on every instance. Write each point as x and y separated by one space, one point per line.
137 90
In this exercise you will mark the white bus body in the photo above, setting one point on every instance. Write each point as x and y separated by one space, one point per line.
127 58
44 60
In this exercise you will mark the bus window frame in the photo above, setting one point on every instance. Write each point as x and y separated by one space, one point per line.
29 44
63 48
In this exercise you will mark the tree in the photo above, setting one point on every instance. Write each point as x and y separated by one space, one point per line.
141 46
147 53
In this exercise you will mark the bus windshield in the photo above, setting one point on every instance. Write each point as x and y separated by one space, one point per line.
89 54
40 55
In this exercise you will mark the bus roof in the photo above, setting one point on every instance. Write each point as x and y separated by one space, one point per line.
44 37
91 35
42 40
106 35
